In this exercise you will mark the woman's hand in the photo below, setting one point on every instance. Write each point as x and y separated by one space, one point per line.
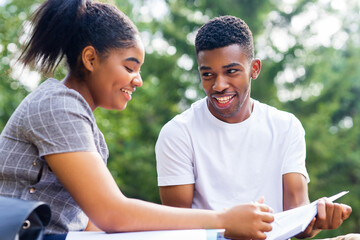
247 221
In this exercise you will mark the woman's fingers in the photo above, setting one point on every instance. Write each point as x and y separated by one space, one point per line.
265 208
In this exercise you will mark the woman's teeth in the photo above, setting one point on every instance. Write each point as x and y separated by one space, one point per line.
126 91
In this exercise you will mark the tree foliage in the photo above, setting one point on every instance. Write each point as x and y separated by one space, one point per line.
317 82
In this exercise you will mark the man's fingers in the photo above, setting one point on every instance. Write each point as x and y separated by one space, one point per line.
321 215
330 209
331 215
346 211
337 218
310 227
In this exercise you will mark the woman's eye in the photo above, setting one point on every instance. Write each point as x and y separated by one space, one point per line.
129 69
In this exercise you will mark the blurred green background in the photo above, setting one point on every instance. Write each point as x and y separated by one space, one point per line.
310 52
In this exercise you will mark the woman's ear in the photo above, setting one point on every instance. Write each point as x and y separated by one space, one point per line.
255 68
89 57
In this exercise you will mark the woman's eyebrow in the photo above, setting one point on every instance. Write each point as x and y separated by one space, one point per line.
133 59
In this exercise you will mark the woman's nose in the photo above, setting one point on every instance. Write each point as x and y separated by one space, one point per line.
137 81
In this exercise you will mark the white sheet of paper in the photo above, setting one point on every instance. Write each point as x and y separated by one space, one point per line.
196 234
291 222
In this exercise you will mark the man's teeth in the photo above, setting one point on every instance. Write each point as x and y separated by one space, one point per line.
127 91
223 99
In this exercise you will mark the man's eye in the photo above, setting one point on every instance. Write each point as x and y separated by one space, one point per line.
232 70
207 74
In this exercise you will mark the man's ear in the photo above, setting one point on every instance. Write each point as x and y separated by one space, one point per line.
89 58
255 68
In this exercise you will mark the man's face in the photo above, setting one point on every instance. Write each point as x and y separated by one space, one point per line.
226 77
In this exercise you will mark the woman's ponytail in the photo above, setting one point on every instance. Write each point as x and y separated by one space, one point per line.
54 25
65 27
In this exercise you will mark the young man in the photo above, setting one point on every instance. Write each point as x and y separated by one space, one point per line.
229 148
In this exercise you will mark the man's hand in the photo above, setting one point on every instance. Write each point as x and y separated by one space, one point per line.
330 216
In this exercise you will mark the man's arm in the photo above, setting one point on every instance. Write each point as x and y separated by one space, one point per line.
177 196
295 191
295 194
330 215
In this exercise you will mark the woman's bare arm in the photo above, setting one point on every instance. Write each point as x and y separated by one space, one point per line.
86 177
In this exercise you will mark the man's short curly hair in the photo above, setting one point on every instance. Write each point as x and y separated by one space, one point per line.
224 31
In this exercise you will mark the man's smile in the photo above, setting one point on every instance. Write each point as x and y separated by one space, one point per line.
223 101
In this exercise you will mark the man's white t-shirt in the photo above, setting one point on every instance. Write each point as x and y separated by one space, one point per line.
231 163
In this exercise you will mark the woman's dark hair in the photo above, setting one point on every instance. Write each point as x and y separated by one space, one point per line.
224 31
64 27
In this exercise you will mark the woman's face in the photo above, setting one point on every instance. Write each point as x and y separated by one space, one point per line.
116 77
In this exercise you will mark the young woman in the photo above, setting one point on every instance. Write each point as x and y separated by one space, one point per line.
51 148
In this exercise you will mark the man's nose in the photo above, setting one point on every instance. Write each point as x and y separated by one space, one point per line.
220 84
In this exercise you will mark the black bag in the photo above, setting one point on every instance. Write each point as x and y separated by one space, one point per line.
20 219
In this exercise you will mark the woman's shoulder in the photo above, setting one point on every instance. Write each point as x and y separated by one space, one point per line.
52 102
52 95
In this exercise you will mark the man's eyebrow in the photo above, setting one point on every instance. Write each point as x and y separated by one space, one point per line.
204 68
133 59
231 65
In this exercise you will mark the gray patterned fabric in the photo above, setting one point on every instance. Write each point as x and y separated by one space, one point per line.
52 119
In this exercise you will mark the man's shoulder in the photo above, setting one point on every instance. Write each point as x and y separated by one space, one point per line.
275 115
273 111
185 119
190 114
